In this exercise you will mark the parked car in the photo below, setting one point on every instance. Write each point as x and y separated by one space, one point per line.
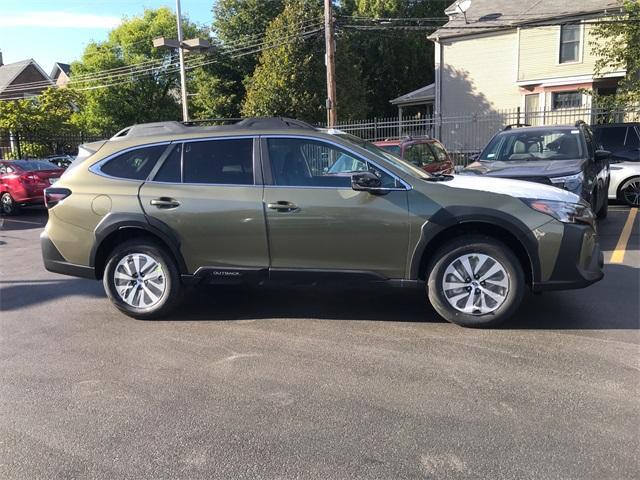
62 161
22 182
623 141
423 152
164 205
562 156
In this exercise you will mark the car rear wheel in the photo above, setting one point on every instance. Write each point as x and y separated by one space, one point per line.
630 192
141 280
8 204
475 281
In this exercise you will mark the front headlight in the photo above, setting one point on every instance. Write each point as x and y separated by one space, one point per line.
563 211
569 182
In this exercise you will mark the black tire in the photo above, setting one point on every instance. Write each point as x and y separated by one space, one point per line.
8 206
447 257
168 297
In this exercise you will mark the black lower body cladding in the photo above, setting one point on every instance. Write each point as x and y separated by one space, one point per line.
580 261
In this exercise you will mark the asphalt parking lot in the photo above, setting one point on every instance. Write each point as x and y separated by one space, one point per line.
312 383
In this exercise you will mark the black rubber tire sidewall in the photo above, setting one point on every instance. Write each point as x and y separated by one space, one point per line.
475 244
172 292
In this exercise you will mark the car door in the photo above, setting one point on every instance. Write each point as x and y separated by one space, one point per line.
597 171
207 193
318 224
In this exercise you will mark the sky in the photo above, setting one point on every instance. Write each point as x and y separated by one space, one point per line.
52 31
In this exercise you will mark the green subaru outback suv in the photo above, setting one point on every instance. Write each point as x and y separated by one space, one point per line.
165 205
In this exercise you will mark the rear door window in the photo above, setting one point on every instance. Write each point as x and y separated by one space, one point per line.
134 164
221 162
611 138
171 169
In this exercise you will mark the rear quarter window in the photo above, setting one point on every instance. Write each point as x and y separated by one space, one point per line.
134 164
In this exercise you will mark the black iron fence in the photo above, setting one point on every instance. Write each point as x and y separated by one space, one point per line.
14 145
466 134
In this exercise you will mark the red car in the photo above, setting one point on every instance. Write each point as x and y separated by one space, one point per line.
22 182
426 153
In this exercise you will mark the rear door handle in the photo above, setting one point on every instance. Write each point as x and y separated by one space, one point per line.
165 202
283 206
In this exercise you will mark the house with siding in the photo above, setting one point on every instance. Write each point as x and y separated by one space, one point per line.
532 54
22 79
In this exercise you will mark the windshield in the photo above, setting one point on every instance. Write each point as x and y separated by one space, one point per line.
32 165
538 144
395 149
406 167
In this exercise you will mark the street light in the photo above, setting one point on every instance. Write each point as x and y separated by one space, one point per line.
191 45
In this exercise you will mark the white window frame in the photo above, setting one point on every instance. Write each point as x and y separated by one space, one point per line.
580 45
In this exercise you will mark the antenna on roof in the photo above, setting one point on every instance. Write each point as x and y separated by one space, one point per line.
461 6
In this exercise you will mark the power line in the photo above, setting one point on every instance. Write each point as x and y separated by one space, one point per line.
156 64
171 68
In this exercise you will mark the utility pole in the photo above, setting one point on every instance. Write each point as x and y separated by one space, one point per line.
183 75
193 44
330 62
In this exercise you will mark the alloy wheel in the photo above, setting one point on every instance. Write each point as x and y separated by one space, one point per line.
7 204
475 284
631 192
140 280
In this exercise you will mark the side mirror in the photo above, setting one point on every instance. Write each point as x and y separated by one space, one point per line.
602 154
365 181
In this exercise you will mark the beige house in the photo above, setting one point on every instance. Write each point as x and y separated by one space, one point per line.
532 54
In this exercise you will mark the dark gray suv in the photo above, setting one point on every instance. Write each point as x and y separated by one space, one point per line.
563 156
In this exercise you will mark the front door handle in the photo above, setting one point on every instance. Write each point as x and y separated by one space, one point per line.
165 202
283 206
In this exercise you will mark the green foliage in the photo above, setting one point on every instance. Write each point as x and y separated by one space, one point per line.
287 80
242 21
51 113
617 47
128 99
392 62
217 89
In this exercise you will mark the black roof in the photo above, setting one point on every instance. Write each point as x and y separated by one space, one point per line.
213 125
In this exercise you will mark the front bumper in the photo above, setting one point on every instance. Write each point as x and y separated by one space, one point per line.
55 262
579 263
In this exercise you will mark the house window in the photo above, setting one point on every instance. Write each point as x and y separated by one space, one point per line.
569 43
566 100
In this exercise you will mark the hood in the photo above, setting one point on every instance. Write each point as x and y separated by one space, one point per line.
514 188
520 168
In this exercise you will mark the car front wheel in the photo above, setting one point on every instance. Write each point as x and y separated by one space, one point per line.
141 280
8 205
475 281
630 192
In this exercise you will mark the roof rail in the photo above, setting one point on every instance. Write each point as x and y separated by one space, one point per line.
516 125
169 127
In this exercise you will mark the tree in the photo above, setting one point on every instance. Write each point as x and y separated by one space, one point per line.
290 78
616 44
286 81
50 113
137 95
244 22
392 62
